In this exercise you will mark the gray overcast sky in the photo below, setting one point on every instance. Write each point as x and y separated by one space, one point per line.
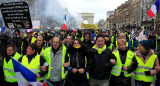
98 7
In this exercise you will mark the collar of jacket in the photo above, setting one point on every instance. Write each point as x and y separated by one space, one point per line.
100 50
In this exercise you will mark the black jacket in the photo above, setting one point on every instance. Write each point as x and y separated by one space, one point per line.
77 60
101 65
88 44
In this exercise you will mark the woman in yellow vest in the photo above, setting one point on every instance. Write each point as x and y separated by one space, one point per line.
147 62
126 63
34 62
9 74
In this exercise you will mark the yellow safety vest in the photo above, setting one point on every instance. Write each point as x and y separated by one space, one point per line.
34 65
140 71
9 72
48 59
82 38
33 40
112 39
117 69
110 46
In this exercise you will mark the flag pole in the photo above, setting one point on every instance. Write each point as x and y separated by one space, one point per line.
157 20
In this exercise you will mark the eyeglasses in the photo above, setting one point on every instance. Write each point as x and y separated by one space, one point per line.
8 50
76 43
55 42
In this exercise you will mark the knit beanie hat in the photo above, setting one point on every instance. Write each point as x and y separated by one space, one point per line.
146 43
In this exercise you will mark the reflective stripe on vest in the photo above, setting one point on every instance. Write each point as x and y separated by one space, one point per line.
141 67
8 69
117 69
34 65
140 71
48 59
11 77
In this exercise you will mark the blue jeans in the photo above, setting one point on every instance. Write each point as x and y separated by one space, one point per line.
141 83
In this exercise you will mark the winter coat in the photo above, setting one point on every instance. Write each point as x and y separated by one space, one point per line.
88 44
78 59
101 65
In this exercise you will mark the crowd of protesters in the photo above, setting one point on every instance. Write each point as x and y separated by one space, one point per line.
82 57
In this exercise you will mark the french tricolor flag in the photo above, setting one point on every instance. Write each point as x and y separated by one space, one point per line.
147 34
25 77
64 26
154 9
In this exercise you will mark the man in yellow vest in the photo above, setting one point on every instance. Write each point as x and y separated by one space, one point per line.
147 62
55 57
9 74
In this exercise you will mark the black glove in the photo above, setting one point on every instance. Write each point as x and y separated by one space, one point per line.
147 73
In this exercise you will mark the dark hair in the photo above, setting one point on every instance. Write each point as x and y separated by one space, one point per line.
99 36
34 46
17 30
80 42
108 37
87 32
13 47
71 37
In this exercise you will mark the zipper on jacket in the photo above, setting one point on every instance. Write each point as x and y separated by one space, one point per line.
77 60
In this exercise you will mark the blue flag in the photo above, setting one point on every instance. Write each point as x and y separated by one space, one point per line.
2 29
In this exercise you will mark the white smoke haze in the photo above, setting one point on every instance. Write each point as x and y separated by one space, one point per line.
55 11
79 20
